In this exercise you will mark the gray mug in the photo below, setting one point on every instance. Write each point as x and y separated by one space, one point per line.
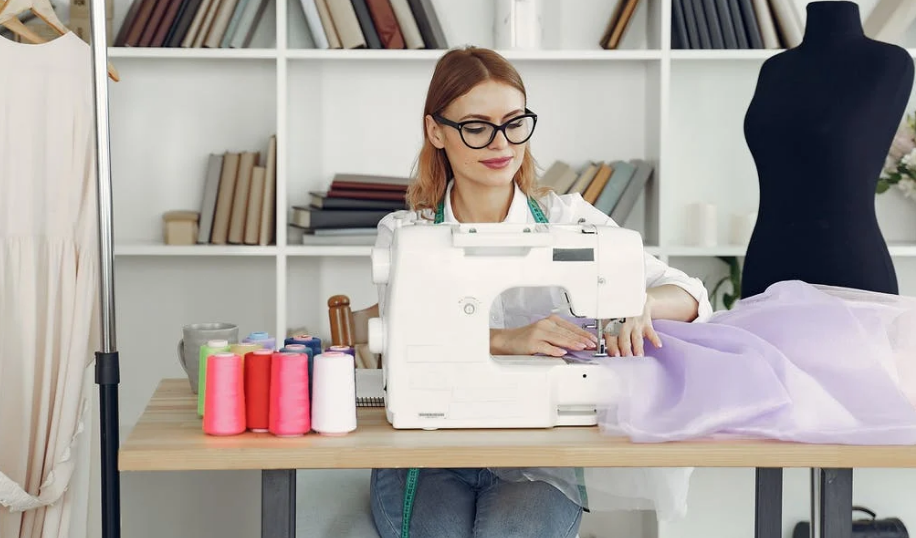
196 335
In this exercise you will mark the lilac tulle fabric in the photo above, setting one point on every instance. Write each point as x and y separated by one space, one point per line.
802 363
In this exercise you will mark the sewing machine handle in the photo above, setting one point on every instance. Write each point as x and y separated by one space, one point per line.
500 239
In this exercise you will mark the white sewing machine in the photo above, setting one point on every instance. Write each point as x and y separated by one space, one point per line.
435 331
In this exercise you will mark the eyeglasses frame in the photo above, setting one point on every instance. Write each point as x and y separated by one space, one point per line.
459 126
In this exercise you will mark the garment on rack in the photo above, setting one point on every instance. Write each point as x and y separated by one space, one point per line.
49 286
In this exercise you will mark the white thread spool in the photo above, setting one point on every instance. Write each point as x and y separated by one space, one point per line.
334 393
518 24
702 225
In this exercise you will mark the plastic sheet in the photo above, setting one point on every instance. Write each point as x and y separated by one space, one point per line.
799 362
796 363
604 489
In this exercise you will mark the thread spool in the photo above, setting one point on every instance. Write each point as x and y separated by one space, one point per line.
224 406
303 348
349 351
257 389
290 413
211 347
262 338
313 342
344 349
244 348
340 315
334 399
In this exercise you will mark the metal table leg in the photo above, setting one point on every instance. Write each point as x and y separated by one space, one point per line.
768 503
278 503
836 503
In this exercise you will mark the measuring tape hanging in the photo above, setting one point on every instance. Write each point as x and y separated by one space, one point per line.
410 492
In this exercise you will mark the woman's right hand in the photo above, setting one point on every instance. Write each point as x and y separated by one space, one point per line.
550 336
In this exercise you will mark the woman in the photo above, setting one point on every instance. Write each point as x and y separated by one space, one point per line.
476 166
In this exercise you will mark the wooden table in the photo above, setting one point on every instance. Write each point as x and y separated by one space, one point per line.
168 437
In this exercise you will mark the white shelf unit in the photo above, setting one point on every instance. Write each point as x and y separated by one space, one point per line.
359 111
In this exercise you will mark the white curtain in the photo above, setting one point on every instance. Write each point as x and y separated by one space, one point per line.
49 278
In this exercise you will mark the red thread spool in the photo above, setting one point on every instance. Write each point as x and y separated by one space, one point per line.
257 389
290 415
224 402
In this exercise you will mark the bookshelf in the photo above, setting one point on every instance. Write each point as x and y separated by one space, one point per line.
173 107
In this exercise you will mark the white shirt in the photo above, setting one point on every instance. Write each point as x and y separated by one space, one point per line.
516 307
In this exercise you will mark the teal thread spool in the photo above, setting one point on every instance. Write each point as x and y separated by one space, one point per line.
211 347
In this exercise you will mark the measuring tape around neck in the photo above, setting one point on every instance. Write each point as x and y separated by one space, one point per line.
533 206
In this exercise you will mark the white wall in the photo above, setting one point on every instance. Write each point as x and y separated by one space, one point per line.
166 114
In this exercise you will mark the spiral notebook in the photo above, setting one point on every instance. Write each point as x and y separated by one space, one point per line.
369 389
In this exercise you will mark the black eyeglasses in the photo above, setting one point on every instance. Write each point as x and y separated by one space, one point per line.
478 134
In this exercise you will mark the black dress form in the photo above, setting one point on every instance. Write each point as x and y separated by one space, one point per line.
819 127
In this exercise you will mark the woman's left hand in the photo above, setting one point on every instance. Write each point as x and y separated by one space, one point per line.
631 335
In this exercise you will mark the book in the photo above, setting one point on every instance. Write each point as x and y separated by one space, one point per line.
311 218
208 201
320 200
408 24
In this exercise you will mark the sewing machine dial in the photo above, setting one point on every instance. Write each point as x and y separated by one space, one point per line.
469 305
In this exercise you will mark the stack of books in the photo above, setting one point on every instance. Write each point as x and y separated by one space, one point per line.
613 186
353 205
191 23
373 24
767 24
734 24
238 206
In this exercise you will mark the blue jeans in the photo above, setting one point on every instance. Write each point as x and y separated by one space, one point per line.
466 503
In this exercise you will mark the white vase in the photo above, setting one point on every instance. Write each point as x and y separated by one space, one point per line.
742 227
518 24
702 228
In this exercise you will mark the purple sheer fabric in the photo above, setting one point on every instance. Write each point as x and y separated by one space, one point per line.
802 363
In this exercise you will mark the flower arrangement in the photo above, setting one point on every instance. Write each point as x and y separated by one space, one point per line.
900 164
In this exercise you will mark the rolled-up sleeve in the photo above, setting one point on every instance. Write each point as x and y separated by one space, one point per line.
573 207
658 273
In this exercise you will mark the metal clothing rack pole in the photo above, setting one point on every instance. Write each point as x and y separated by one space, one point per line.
107 370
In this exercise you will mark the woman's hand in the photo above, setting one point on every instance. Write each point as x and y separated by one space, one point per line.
550 336
630 337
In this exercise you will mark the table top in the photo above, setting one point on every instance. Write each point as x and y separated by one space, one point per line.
169 437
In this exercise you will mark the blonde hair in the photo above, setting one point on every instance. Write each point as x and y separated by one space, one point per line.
457 72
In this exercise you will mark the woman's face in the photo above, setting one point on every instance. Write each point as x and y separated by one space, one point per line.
496 163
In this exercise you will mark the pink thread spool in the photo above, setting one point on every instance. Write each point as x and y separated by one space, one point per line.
224 403
290 415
